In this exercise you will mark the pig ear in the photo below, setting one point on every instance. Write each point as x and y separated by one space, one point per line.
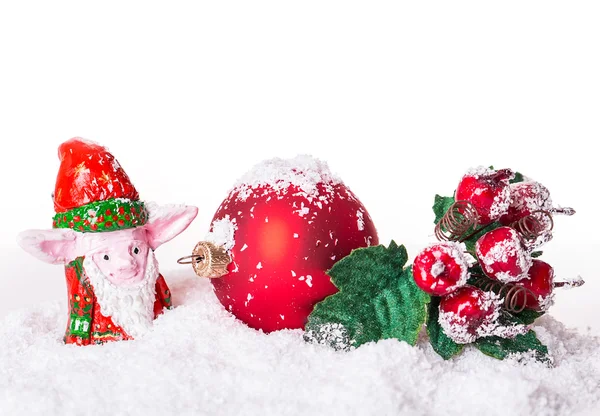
166 222
57 246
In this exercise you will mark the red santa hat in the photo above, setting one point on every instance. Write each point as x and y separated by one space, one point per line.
93 193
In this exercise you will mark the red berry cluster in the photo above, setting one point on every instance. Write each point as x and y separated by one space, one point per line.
497 199
466 312
519 218
442 269
504 253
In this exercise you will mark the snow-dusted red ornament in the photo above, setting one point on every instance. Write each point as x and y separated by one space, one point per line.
488 191
468 313
284 224
525 199
539 284
502 255
441 268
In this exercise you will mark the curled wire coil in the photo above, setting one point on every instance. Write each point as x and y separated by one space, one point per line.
514 297
458 222
534 225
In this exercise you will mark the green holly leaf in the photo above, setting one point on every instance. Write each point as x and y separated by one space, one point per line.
440 342
528 343
87 308
441 205
502 348
536 254
518 178
377 299
527 316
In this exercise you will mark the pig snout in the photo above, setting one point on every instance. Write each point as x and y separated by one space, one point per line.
124 262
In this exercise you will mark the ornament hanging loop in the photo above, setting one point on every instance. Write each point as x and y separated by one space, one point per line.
190 259
208 260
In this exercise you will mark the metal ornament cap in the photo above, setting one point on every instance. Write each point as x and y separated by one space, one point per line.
208 260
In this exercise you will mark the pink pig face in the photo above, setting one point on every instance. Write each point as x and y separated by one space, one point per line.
122 256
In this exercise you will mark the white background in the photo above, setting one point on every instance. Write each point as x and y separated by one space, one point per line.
399 99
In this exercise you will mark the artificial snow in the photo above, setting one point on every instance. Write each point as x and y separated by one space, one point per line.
223 232
501 204
309 280
360 222
530 196
304 172
199 360
479 171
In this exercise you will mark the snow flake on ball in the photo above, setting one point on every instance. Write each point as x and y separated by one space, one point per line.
360 222
302 211
304 172
248 299
223 232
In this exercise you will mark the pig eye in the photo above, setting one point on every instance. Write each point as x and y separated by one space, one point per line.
106 257
136 250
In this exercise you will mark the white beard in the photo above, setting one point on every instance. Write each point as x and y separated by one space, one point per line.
131 308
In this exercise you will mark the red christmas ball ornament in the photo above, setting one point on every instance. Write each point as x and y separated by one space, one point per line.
284 225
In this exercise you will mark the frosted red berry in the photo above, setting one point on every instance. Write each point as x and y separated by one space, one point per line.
502 255
468 313
525 198
441 268
488 191
540 283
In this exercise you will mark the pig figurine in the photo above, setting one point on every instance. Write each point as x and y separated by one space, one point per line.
106 237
